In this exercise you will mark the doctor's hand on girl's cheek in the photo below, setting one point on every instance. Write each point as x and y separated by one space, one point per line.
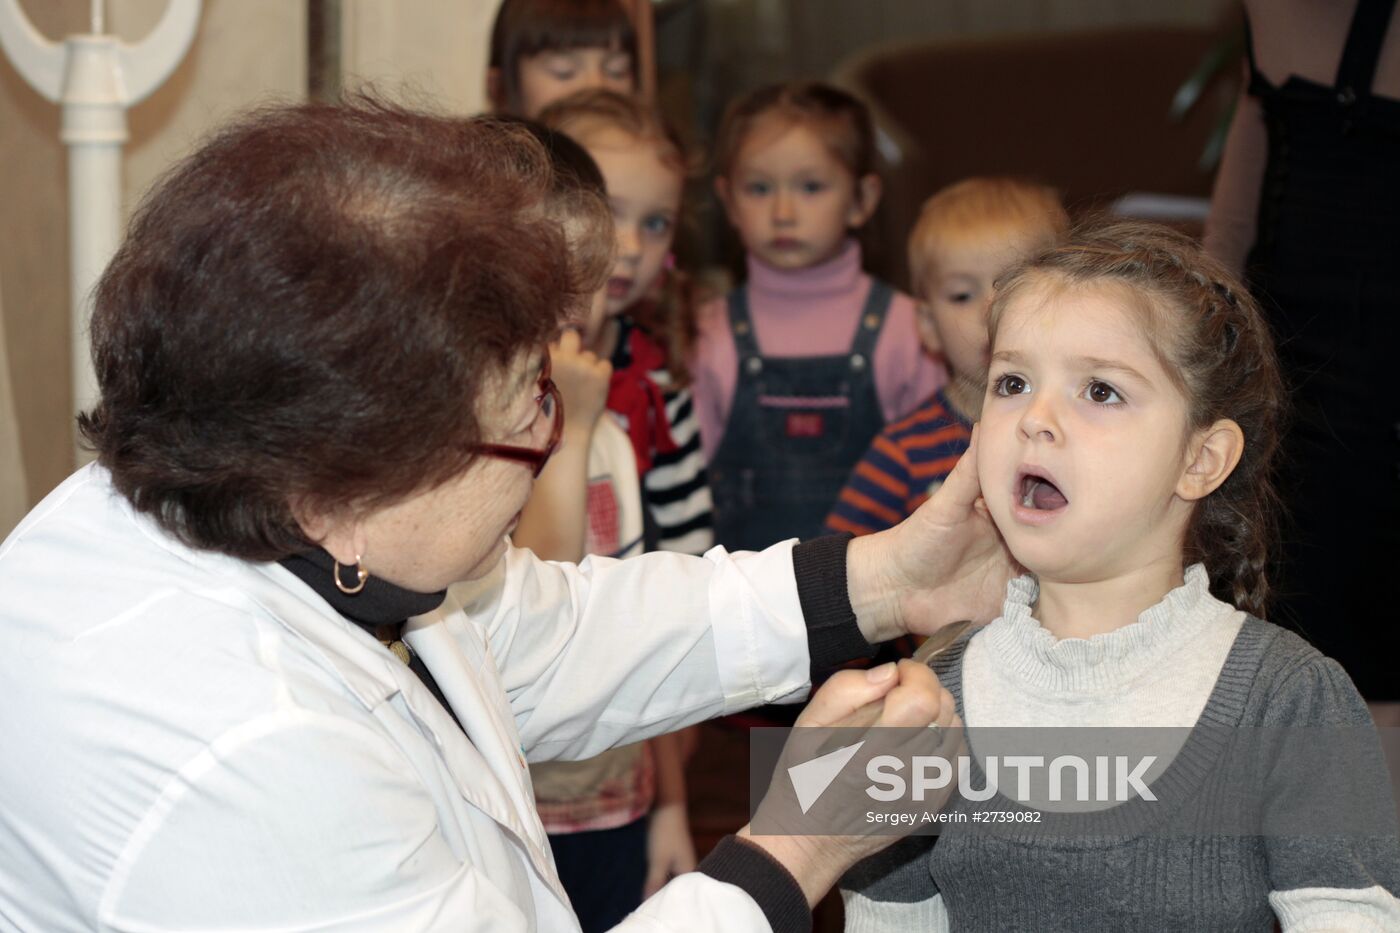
583 381
945 563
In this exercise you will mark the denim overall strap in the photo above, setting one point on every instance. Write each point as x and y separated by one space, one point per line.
796 428
872 321
741 326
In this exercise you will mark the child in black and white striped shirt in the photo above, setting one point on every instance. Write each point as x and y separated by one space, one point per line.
648 319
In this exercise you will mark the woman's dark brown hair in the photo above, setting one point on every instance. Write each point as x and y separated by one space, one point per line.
529 27
838 118
315 307
1213 340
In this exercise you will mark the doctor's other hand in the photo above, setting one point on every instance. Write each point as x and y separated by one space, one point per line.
903 695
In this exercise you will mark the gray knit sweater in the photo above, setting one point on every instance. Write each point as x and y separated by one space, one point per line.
966 881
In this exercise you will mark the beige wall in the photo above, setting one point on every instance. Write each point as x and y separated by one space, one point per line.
245 51
34 260
433 50
14 493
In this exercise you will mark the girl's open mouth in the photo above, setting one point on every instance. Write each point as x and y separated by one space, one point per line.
1037 491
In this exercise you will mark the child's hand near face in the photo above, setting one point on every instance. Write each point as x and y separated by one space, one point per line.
554 523
583 380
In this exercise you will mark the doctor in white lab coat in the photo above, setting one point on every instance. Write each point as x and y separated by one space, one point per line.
238 693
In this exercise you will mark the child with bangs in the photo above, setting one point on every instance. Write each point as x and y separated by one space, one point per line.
544 50
967 235
1125 452
798 369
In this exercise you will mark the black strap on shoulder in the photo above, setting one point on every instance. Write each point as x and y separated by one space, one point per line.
1363 49
1259 86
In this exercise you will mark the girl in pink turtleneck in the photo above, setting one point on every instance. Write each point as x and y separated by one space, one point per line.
797 370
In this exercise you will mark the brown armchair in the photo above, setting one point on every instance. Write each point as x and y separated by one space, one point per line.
1085 112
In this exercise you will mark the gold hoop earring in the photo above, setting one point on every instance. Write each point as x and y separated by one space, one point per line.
361 575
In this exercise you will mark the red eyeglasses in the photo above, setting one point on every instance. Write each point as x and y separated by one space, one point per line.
552 407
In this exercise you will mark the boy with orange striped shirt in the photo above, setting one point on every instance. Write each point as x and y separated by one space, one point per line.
967 235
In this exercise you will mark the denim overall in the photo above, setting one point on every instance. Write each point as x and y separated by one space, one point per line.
796 429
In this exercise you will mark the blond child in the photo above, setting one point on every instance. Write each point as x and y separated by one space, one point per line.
966 236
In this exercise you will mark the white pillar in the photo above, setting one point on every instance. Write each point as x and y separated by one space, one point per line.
95 78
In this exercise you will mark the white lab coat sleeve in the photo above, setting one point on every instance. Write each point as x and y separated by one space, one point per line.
299 820
696 903
609 652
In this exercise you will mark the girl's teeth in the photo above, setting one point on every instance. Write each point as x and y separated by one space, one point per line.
1027 498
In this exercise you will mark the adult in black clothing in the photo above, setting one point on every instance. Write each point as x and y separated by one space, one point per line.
1308 204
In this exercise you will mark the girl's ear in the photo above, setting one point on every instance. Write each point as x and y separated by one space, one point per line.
868 191
928 332
1213 455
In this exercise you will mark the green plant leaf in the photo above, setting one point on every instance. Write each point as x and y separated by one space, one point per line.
1218 57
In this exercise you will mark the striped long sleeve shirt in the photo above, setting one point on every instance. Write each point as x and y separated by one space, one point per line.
676 489
907 461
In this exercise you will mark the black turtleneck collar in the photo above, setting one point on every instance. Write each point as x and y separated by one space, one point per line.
380 603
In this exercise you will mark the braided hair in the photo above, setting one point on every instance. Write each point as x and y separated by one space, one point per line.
1214 342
